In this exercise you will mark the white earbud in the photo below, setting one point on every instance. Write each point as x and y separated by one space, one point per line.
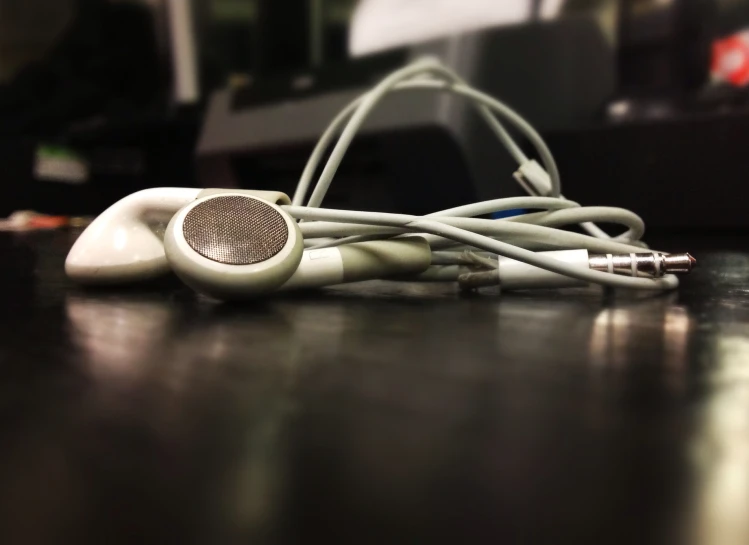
124 244
233 246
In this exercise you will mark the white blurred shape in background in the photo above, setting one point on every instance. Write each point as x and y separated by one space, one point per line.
378 25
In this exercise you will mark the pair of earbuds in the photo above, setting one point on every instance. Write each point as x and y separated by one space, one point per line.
228 244
233 244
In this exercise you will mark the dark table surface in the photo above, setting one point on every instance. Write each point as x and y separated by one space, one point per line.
382 413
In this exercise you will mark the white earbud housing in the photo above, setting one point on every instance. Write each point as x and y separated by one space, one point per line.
233 246
124 244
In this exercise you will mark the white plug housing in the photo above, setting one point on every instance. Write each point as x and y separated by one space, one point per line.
516 275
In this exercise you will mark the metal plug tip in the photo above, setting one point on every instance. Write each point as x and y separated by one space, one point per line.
643 264
679 263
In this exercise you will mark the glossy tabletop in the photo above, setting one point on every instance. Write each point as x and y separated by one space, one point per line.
378 413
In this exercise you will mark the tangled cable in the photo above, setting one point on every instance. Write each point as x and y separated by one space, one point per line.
451 233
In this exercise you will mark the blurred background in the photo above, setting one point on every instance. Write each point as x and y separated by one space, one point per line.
644 102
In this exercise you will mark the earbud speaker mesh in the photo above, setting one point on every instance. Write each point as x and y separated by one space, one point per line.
235 230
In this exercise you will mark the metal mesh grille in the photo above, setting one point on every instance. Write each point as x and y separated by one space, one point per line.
235 230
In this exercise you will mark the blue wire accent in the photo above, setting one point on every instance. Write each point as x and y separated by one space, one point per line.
508 213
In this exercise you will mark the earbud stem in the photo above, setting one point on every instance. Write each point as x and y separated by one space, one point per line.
360 261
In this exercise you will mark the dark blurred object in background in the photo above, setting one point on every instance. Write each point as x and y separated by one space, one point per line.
257 38
104 64
100 89
665 46
28 30
672 59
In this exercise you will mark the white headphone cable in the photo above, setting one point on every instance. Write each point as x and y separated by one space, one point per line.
441 227
395 83
534 228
